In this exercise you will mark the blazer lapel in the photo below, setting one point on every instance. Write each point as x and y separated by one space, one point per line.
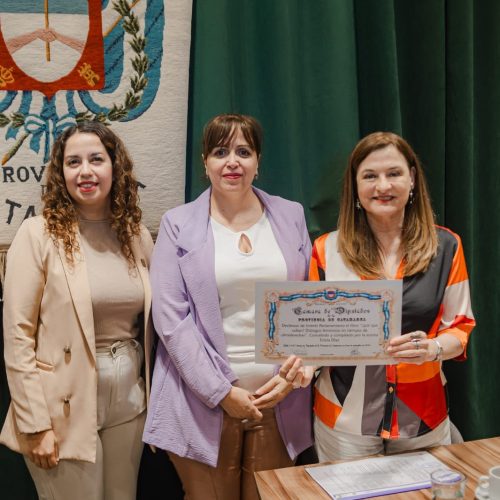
78 284
142 268
287 237
198 270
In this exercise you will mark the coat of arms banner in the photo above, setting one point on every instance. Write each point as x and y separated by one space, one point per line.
122 62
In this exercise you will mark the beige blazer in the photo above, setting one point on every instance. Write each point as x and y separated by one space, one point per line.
50 343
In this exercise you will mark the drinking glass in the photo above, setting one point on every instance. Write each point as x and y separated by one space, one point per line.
447 483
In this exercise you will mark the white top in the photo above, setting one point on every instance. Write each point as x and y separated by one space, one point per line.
236 273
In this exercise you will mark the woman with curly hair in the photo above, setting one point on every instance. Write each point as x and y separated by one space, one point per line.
77 301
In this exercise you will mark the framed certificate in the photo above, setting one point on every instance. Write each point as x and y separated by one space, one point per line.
327 322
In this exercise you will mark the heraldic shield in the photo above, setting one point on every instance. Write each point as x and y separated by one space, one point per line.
64 61
61 50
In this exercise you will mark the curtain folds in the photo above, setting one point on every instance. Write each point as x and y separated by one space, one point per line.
320 75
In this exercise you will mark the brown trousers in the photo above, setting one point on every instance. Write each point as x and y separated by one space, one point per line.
245 448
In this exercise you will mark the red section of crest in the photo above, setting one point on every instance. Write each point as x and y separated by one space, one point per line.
88 73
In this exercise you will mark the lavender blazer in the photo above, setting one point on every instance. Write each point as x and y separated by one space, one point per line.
192 373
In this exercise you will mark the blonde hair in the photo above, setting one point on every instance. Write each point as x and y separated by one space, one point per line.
59 211
357 243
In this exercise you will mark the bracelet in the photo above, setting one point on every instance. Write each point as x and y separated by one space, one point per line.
439 353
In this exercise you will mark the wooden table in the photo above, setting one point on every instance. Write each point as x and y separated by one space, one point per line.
473 458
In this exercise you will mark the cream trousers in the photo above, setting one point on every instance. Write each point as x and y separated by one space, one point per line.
120 420
336 445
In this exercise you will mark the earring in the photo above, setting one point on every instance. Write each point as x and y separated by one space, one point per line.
206 174
256 175
358 205
410 197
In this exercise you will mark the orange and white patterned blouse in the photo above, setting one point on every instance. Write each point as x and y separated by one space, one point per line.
403 400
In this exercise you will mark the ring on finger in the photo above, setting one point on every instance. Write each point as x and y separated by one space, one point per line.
416 343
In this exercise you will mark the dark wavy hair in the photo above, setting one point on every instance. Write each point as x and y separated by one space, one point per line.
58 208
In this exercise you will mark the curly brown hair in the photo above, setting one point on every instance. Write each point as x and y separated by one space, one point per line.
59 210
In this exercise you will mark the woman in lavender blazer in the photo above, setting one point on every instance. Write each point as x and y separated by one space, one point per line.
217 425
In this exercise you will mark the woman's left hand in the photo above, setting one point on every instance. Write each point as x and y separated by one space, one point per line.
413 347
294 371
272 392
292 375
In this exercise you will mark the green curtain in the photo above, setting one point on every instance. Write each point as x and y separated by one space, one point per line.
321 74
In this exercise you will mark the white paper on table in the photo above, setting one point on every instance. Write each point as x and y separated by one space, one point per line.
376 476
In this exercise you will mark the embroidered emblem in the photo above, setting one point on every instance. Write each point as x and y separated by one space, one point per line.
95 60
